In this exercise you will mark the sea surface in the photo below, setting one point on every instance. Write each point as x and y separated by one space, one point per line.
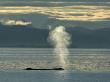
83 65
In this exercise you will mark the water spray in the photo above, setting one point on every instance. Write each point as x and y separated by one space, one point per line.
61 40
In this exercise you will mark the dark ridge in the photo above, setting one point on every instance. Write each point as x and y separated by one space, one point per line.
31 37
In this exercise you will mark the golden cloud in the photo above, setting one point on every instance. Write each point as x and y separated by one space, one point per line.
71 13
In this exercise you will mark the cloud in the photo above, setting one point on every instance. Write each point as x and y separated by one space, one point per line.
70 13
15 22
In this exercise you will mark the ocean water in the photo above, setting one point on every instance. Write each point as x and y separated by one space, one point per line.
77 59
85 65
53 76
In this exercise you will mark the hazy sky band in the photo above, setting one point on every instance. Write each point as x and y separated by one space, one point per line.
64 0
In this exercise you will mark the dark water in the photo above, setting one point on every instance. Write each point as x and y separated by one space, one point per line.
53 76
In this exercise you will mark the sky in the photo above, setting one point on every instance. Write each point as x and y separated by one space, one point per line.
84 13
90 14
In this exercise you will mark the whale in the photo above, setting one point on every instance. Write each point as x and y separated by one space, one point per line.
44 69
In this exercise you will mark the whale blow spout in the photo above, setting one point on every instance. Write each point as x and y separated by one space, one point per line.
60 39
